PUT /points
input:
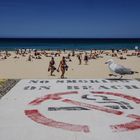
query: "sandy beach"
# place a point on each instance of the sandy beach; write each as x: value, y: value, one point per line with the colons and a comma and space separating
x: 18, y: 67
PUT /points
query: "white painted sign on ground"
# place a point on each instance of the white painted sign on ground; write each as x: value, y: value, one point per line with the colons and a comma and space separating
x: 71, y: 109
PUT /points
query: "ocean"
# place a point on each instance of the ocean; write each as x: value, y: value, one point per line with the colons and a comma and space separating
x: 68, y: 43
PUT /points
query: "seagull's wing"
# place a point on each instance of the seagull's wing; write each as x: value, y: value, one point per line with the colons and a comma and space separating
x: 119, y: 69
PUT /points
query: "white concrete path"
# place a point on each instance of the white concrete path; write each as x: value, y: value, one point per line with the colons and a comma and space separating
x: 82, y: 109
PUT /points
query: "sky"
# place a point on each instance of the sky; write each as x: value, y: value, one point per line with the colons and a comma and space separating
x: 70, y: 18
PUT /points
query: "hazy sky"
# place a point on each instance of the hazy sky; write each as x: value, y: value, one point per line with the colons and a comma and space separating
x: 70, y: 18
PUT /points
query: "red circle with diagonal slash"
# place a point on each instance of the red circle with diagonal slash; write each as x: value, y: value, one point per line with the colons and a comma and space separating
x: 36, y: 116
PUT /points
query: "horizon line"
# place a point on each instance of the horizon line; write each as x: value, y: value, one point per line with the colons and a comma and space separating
x: 69, y: 37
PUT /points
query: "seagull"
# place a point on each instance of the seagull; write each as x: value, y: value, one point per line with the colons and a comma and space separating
x: 118, y: 69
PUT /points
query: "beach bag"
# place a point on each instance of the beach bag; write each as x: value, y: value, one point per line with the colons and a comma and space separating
x: 49, y: 69
x: 66, y: 67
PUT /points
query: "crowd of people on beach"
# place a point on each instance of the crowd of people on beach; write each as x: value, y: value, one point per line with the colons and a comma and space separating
x: 83, y: 57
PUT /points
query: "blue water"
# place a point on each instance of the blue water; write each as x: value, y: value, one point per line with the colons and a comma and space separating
x: 68, y: 44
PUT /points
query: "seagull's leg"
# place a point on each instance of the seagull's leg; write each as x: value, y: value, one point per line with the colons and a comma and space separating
x: 115, y: 75
x: 121, y: 77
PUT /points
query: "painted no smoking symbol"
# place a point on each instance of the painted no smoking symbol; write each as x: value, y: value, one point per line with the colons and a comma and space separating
x: 36, y: 116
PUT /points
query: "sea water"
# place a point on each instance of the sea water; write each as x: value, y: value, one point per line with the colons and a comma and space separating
x: 67, y: 44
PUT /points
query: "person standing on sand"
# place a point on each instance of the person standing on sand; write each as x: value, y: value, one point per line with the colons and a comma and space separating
x: 136, y: 48
x: 86, y: 58
x: 51, y: 67
x: 30, y: 58
x: 79, y: 58
x: 63, y: 67
x: 73, y: 53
